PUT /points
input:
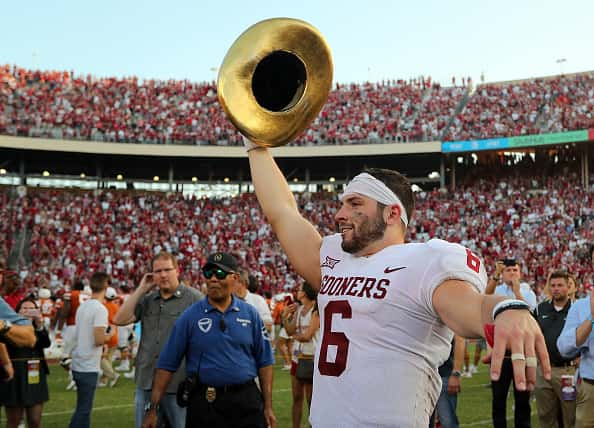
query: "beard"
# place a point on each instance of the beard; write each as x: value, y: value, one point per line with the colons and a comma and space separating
x: 368, y: 231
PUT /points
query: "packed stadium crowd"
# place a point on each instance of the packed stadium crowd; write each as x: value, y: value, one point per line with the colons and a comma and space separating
x: 76, y: 232
x: 63, y: 105
x: 135, y: 254
x: 546, y: 224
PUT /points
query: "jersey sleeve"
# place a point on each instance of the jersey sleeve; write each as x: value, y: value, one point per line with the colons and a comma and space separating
x: 451, y: 261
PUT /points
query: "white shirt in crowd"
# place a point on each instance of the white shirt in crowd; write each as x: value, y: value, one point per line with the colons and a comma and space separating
x: 261, y: 306
x: 86, y: 356
x: 525, y: 291
x: 381, y: 339
x: 302, y: 324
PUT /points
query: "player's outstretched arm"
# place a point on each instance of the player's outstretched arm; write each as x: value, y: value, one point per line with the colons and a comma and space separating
x: 466, y: 312
x: 299, y: 239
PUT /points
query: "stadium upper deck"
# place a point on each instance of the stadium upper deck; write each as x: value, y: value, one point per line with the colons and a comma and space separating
x: 61, y: 105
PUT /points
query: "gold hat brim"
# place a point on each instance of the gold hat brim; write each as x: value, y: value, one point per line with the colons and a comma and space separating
x: 274, y: 128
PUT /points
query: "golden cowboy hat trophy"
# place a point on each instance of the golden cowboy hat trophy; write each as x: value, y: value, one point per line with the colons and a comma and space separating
x: 275, y: 80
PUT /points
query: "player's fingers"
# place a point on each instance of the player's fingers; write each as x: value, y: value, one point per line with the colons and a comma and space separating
x: 500, y: 340
x: 518, y: 359
x: 531, y: 362
x: 543, y: 356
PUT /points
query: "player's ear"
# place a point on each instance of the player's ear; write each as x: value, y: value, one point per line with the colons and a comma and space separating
x: 392, y: 214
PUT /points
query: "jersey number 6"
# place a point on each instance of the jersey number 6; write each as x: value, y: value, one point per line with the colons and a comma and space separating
x: 337, y: 339
x: 472, y: 261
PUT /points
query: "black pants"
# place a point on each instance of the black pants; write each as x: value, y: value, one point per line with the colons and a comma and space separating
x: 242, y: 408
x: 521, y: 399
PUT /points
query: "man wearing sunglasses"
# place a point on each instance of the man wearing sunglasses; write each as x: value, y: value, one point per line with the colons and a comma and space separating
x: 225, y: 344
x: 157, y: 302
x: 257, y: 301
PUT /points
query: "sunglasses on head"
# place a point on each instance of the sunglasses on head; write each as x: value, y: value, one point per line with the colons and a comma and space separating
x: 217, y: 272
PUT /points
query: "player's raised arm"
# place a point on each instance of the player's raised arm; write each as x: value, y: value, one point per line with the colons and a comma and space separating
x: 298, y: 237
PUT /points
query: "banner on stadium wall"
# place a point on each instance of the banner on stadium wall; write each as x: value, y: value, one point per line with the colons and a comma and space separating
x: 591, y: 134
x: 516, y: 142
x: 475, y: 145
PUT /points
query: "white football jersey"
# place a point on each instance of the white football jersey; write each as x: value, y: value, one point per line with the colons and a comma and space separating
x: 381, y: 340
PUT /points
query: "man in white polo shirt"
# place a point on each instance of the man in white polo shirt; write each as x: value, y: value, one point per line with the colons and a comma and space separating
x: 90, y: 335
x: 241, y: 290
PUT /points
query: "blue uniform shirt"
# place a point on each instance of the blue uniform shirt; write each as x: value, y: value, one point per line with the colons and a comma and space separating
x: 8, y: 314
x: 566, y: 342
x: 227, y: 348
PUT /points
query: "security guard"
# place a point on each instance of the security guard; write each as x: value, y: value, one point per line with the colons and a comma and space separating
x: 226, y: 346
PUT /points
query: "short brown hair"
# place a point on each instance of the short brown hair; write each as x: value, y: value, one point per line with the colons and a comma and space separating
x: 99, y: 282
x: 164, y: 255
x: 398, y: 184
x: 244, y: 276
x: 560, y: 274
x: 555, y: 275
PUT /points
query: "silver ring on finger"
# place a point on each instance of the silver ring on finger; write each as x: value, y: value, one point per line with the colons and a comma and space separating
x: 518, y: 357
x: 531, y: 362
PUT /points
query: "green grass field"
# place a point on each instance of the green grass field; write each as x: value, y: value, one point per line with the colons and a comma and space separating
x: 114, y: 407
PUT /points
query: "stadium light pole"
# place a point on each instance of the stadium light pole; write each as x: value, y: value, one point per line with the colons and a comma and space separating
x: 215, y: 71
x: 560, y: 61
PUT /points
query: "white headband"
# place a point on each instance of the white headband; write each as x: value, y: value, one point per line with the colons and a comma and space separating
x: 367, y: 185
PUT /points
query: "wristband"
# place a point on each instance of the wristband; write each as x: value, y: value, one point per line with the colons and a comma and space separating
x: 504, y: 305
x: 249, y: 144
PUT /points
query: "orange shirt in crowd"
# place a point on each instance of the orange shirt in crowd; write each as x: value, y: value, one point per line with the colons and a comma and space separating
x: 278, y: 309
x: 112, y: 308
x: 75, y: 302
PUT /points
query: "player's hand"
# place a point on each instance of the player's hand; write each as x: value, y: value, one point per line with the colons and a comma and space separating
x: 270, y: 418
x: 150, y: 419
x: 517, y: 331
x: 147, y: 283
x: 454, y: 385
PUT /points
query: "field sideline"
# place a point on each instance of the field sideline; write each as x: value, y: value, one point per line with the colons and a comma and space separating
x: 114, y: 407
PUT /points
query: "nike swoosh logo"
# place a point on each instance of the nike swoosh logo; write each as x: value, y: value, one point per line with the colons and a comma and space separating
x: 390, y: 270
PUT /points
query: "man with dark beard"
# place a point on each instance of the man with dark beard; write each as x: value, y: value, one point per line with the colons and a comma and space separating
x: 551, y: 315
x: 387, y: 309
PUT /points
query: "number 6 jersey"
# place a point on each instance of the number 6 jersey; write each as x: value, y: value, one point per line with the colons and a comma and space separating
x: 381, y: 340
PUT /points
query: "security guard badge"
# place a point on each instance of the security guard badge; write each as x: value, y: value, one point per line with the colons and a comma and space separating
x: 211, y: 394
